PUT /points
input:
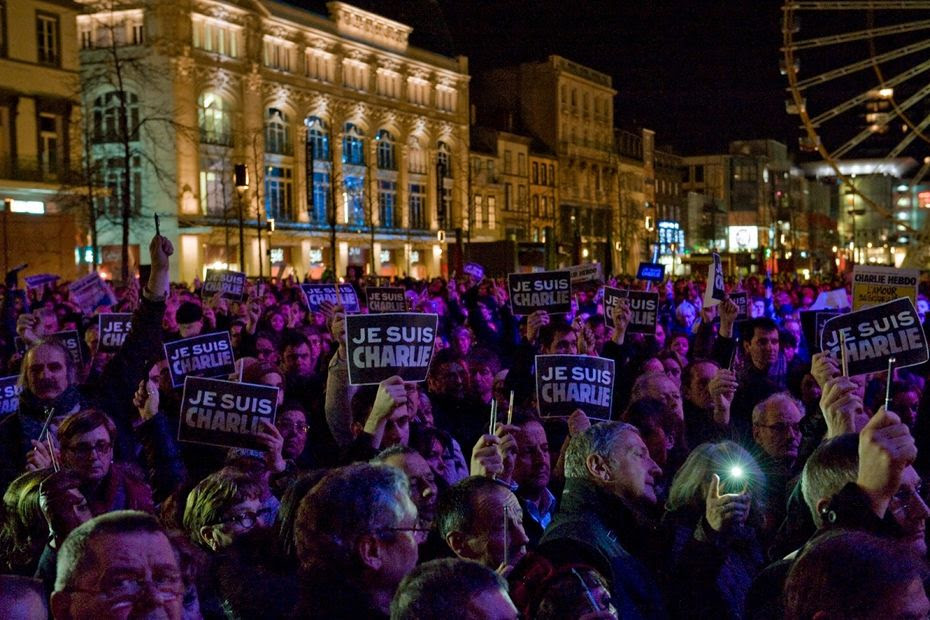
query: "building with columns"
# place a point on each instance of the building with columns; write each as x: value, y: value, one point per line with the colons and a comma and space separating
x: 355, y: 141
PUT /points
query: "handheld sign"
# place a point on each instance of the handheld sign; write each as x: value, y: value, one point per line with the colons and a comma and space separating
x: 643, y: 304
x: 714, y: 292
x: 206, y: 355
x: 545, y: 290
x: 875, y: 334
x: 386, y: 299
x: 568, y: 382
x: 742, y: 304
x: 812, y: 322
x: 837, y: 299
x: 651, y: 272
x: 40, y: 279
x: 586, y: 273
x: 225, y: 413
x: 474, y: 270
x: 90, y: 292
x: 380, y: 346
x: 875, y: 285
x: 316, y: 294
x: 229, y: 284
x: 114, y: 327
x: 71, y: 341
x: 9, y: 395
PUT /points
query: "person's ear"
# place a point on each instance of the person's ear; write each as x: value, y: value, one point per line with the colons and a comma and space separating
x: 756, y: 433
x: 598, y: 468
x: 822, y: 504
x: 746, y: 344
x: 61, y: 605
x: 209, y: 535
x: 458, y: 542
x: 369, y: 552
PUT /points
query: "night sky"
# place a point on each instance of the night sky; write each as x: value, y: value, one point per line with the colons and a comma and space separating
x: 700, y: 73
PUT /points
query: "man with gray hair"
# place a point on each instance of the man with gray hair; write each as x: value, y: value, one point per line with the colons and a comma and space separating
x: 604, y: 516
x: 356, y: 540
x: 776, y: 432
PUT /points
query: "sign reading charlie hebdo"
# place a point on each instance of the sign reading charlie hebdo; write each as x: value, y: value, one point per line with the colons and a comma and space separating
x: 9, y: 395
x: 545, y: 290
x: 229, y: 284
x: 875, y: 285
x: 875, y: 334
x: 225, y: 413
x: 316, y: 294
x: 386, y: 299
x: 644, y: 306
x: 568, y: 382
x: 379, y: 346
x: 207, y: 355
x: 114, y: 327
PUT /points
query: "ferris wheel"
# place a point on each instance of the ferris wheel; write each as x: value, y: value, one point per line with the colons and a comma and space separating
x: 858, y: 77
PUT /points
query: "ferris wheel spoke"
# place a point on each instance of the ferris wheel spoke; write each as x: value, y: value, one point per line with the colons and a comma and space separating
x: 863, y: 64
x: 906, y: 141
x: 865, y: 133
x: 859, y: 35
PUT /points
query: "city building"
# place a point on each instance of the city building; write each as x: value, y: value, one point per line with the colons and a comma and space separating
x: 40, y: 149
x: 355, y: 141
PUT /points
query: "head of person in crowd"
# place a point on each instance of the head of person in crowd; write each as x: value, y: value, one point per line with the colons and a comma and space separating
x: 236, y: 329
x: 86, y: 439
x: 660, y: 336
x: 357, y: 528
x: 558, y: 337
x: 737, y: 470
x: 679, y: 344
x: 651, y: 365
x: 287, y: 513
x: 423, y: 490
x: 598, y: 327
x: 483, y: 364
x: 275, y: 320
x: 481, y: 519
x: 447, y: 377
x: 545, y: 592
x: 221, y: 508
x: 434, y: 445
x: 397, y: 424
x: 316, y: 336
x: 613, y: 456
x: 923, y: 306
x: 296, y: 358
x: 658, y: 426
x: 760, y: 342
x: 264, y: 373
x: 788, y: 343
x: 835, y: 463
x: 22, y: 598
x: 532, y: 470
x: 98, y: 358
x: 23, y: 530
x: 905, y: 400
x: 462, y: 340
x: 756, y: 308
x: 453, y: 588
x: 291, y: 422
x: 118, y: 565
x: 776, y: 427
x: 48, y: 370
x: 659, y: 386
x: 685, y: 314
x: 793, y: 327
x: 853, y: 575
x: 671, y: 366
x: 266, y: 348
x: 189, y: 318
x: 49, y: 321
x: 695, y: 382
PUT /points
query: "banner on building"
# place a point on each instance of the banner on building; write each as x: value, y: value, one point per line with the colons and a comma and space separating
x: 206, y: 355
x: 113, y: 328
x: 380, y: 346
x: 225, y: 413
x: 568, y: 382
x: 544, y: 290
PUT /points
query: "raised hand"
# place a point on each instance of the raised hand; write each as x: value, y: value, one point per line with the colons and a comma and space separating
x: 886, y: 449
x: 725, y: 512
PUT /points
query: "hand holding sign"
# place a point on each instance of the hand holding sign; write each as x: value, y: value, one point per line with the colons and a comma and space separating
x: 722, y: 389
x: 534, y: 323
x: 886, y: 448
x: 146, y: 399
x: 392, y: 395
x: 27, y: 327
x: 269, y: 437
x: 824, y: 367
x: 841, y: 406
x: 728, y: 313
x: 622, y: 315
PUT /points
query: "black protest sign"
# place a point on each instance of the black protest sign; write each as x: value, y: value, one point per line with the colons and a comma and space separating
x: 644, y: 306
x: 71, y: 341
x: 742, y: 305
x: 9, y: 395
x: 875, y: 334
x: 653, y: 272
x: 316, y: 294
x: 229, y: 284
x: 568, y: 382
x: 386, y: 299
x: 380, y: 346
x: 225, y: 413
x: 544, y: 290
x: 714, y: 293
x: 812, y: 322
x: 90, y: 292
x: 207, y: 355
x: 114, y: 327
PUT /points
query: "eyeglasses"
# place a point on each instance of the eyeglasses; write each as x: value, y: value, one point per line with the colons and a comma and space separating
x: 300, y: 429
x: 248, y: 519
x: 907, y: 499
x: 419, y: 533
x: 84, y: 450
x: 126, y: 590
x: 783, y: 427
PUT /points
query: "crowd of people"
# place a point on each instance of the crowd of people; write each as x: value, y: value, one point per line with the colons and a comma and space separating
x: 741, y: 475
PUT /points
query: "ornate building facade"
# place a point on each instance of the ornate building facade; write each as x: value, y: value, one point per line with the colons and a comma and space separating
x: 355, y: 142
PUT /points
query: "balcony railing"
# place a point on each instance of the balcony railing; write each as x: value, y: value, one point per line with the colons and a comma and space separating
x: 36, y: 170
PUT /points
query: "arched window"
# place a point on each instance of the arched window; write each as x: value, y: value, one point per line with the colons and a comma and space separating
x: 213, y: 117
x: 317, y: 138
x: 278, y: 133
x: 107, y: 117
x: 416, y: 157
x: 353, y: 145
x: 443, y: 159
x: 387, y: 159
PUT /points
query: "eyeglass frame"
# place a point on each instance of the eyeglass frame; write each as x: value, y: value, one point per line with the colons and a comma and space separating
x: 115, y: 598
x: 101, y: 448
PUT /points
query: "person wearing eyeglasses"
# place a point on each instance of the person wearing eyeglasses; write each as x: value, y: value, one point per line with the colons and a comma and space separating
x: 118, y: 565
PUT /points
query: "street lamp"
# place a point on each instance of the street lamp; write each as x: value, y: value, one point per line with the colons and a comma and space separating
x: 241, y: 173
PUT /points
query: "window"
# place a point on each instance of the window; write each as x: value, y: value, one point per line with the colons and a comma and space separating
x: 445, y: 98
x: 354, y: 74
x: 320, y: 65
x: 107, y: 112
x: 49, y: 154
x: 386, y: 150
x: 320, y: 198
x: 443, y: 159
x: 387, y: 201
x: 508, y: 162
x: 388, y: 83
x: 521, y: 164
x: 551, y: 174
x: 278, y: 54
x: 536, y: 172
x: 418, y: 206
x: 317, y: 139
x: 353, y: 199
x: 542, y: 176
x: 215, y: 36
x: 48, y: 39
x: 416, y: 156
x: 479, y: 200
x: 279, y: 188
x: 353, y: 146
x: 508, y: 196
x: 492, y: 212
x: 278, y: 133
x: 216, y: 184
x: 522, y: 204
x: 418, y: 91
x: 536, y: 205
x: 213, y: 118
x: 114, y: 177
x: 492, y: 177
